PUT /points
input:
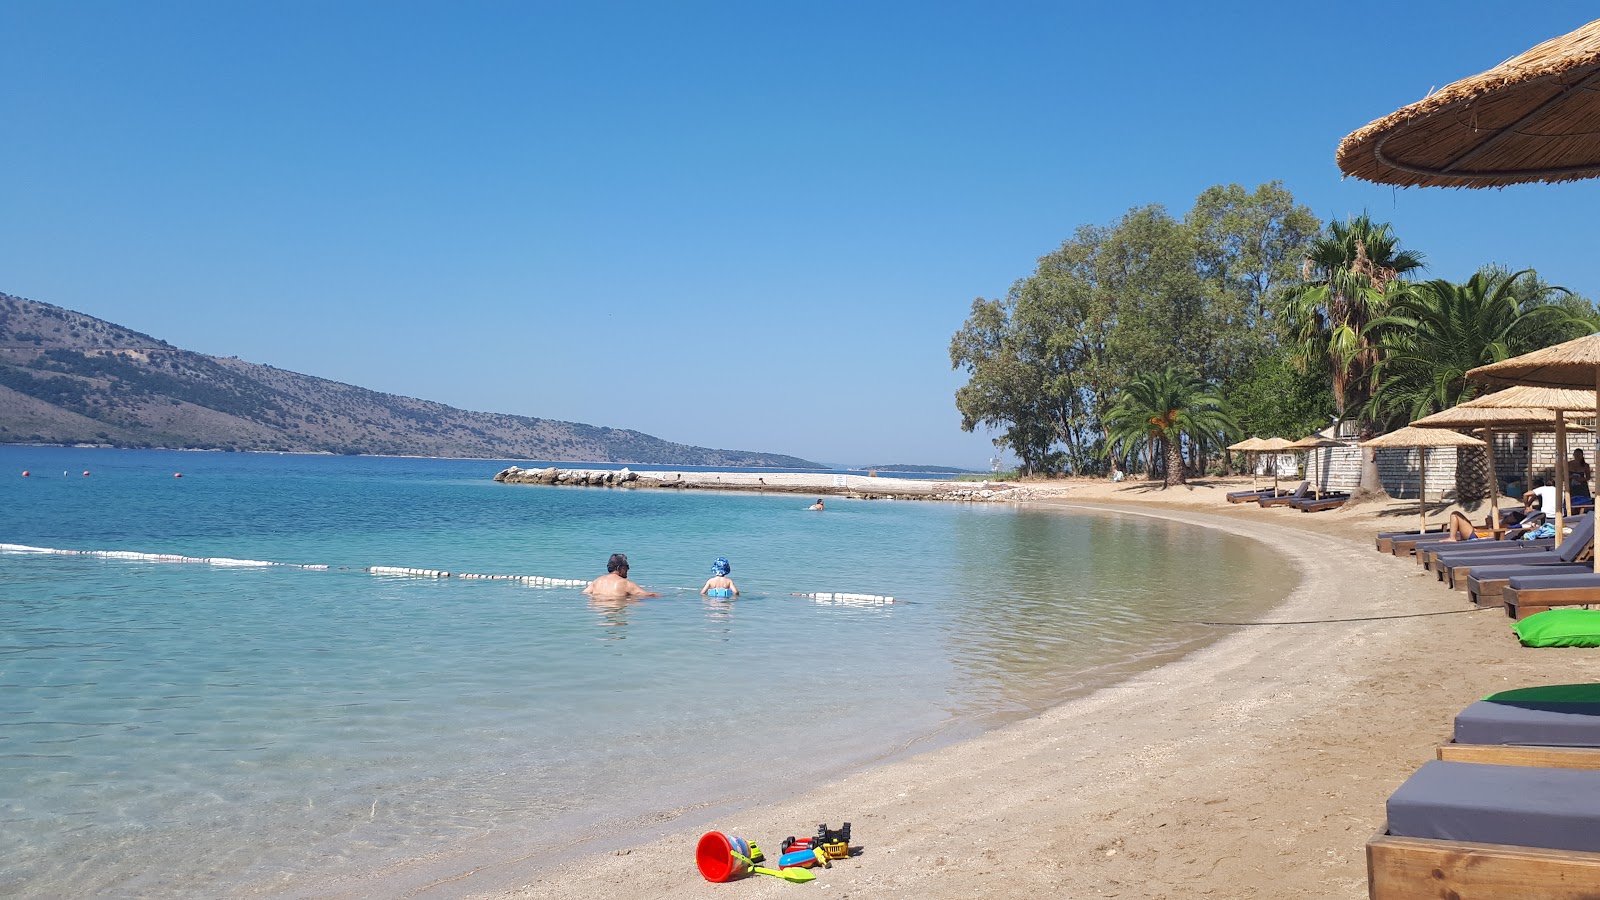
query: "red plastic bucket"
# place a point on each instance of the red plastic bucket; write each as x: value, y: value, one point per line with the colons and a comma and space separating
x: 716, y: 859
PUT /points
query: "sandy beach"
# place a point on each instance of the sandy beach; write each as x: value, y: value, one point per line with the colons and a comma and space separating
x: 1257, y: 767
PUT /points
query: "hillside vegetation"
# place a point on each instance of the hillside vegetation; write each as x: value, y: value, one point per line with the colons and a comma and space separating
x: 69, y: 378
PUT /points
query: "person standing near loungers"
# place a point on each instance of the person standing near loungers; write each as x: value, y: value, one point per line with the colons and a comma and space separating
x: 1578, y: 475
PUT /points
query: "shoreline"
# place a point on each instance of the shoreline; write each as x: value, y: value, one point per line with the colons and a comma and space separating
x: 1257, y: 762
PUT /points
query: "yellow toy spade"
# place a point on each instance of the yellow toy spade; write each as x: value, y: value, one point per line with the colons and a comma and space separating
x: 795, y: 875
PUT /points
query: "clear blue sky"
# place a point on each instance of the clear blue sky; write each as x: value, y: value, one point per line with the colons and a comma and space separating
x: 739, y: 225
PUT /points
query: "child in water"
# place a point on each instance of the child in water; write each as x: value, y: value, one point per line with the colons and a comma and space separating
x: 719, y: 584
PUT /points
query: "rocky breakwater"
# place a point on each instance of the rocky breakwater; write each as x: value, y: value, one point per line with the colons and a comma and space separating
x: 589, y: 477
x: 812, y: 484
x: 987, y: 493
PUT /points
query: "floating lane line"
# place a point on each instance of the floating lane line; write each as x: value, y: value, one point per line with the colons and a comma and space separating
x: 843, y: 599
x: 228, y: 562
x: 836, y: 598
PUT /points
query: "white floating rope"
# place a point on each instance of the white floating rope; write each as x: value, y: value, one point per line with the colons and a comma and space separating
x: 227, y: 562
x: 843, y: 599
x: 835, y: 598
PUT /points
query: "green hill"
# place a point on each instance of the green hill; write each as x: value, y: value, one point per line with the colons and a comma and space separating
x: 69, y: 378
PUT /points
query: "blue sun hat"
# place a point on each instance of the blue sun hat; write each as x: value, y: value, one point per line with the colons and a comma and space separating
x: 720, y: 567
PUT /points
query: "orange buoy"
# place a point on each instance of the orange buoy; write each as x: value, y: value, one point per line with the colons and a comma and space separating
x: 86, y: 472
x: 24, y: 473
x: 177, y: 474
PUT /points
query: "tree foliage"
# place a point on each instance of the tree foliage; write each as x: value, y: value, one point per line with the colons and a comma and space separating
x: 1347, y: 276
x: 1293, y: 324
x: 1159, y: 412
x: 1146, y: 293
x: 1435, y: 331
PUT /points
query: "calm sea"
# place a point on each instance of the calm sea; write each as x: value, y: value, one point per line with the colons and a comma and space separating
x: 194, y: 730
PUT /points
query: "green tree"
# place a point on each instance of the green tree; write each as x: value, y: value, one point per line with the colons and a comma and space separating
x: 1144, y: 293
x: 1007, y: 385
x: 1275, y: 397
x: 1347, y: 276
x: 1159, y: 410
x: 1436, y: 331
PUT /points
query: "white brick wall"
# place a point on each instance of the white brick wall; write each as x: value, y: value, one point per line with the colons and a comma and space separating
x: 1340, y: 467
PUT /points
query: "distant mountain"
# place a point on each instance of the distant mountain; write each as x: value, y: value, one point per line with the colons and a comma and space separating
x: 68, y: 378
x: 931, y: 470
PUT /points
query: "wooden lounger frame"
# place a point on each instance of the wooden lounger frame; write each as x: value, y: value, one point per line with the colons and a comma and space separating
x: 1522, y: 603
x: 1386, y: 544
x: 1407, y: 868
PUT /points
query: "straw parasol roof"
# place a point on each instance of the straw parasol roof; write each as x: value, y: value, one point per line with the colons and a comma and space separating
x: 1273, y: 444
x: 1411, y: 436
x: 1569, y: 365
x: 1534, y: 117
x: 1528, y: 397
x: 1511, y: 417
x: 1422, y: 439
x: 1246, y: 444
x: 1313, y: 441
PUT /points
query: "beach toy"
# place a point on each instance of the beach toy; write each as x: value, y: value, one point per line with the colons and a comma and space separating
x: 722, y: 857
x: 720, y: 593
x: 805, y: 858
x: 797, y: 876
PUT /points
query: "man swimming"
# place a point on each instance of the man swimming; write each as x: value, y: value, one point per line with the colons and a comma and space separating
x: 614, y: 585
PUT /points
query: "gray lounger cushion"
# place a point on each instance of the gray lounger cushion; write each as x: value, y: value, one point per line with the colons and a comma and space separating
x: 1534, y: 582
x: 1558, y: 809
x: 1533, y: 567
x: 1529, y: 723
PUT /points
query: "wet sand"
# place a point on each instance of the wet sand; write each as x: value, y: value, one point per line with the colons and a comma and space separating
x: 1257, y: 767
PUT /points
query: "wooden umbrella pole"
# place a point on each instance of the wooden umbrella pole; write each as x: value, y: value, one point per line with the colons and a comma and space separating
x: 1494, y: 480
x: 1422, y: 486
x: 1561, y: 469
x: 1527, y: 439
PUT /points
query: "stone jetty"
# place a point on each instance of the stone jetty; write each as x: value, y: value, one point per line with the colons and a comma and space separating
x: 816, y: 484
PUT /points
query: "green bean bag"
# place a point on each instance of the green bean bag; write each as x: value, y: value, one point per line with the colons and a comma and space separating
x: 1560, y: 628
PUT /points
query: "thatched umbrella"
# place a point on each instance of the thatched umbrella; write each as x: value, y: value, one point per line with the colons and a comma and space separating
x: 1422, y: 439
x: 1489, y: 419
x: 1312, y: 443
x: 1273, y: 445
x: 1574, y: 364
x: 1534, y: 117
x: 1565, y: 400
x: 1251, y: 446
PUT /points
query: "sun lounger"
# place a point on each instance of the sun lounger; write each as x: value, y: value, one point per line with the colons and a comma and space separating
x: 1459, y: 829
x: 1551, y: 715
x: 1428, y: 555
x: 1486, y: 584
x: 1325, y: 502
x: 1386, y: 539
x: 1253, y: 496
x: 1405, y: 546
x: 1574, y: 547
x: 1286, y: 499
x: 1528, y: 594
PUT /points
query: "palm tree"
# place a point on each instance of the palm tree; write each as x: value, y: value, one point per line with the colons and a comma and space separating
x: 1437, y: 330
x: 1157, y: 410
x: 1348, y: 275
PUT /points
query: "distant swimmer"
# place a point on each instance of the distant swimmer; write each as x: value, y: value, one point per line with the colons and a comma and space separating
x: 614, y: 585
x: 816, y: 505
x: 719, y: 584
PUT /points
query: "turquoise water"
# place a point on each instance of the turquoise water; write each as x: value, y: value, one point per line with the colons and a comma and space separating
x: 190, y: 730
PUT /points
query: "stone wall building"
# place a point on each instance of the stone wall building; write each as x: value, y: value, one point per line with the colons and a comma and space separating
x: 1339, y: 468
